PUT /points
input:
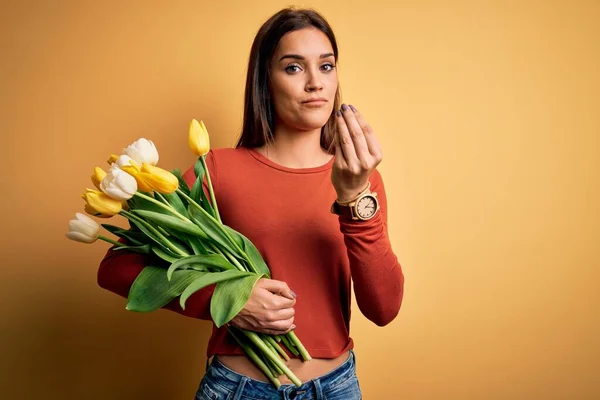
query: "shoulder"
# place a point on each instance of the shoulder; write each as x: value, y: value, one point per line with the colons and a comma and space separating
x: 219, y: 161
x: 225, y: 159
x: 228, y: 154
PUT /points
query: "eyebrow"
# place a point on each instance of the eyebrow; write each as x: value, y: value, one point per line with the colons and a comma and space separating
x: 299, y: 57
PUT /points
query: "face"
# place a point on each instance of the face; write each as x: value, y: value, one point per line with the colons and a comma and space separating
x: 303, y: 79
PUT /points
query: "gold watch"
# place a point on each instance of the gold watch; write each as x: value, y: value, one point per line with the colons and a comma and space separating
x: 363, y: 208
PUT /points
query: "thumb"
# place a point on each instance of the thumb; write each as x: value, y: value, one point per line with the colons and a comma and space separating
x: 278, y: 287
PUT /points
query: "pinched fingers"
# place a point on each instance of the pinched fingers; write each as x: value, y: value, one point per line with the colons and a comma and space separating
x: 357, y: 141
x: 355, y: 132
x: 369, y: 135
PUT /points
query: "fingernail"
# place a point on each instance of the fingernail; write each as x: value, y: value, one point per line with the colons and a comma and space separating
x: 293, y: 327
x: 338, y: 113
x: 344, y: 107
x: 293, y: 294
x: 352, y: 107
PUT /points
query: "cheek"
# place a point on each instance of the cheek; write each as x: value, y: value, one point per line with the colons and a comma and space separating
x: 281, y: 96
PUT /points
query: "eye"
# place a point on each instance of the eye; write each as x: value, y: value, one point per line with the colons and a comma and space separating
x: 328, y: 67
x: 290, y: 68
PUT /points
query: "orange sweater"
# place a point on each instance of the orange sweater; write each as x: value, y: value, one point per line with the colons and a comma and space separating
x: 285, y: 213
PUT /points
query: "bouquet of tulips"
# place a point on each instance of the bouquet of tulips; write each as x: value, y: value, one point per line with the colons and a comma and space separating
x: 181, y: 230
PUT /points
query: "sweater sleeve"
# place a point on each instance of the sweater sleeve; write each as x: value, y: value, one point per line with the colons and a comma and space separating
x: 376, y: 272
x: 118, y: 269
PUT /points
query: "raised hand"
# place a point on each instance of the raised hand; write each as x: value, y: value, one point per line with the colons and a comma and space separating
x: 357, y: 154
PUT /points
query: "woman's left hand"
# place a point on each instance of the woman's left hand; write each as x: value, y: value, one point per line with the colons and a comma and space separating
x: 357, y: 154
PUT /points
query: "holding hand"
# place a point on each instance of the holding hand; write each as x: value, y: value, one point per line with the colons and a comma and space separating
x: 269, y: 309
x: 357, y: 154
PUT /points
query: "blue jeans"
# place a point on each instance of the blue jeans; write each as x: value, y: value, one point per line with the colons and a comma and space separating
x: 221, y: 383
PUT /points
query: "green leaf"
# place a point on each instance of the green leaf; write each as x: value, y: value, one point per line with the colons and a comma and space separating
x: 148, y: 230
x: 208, y: 278
x: 206, y: 205
x: 230, y: 297
x: 182, y: 183
x: 144, y: 249
x: 197, y: 190
x: 134, y: 237
x: 212, y: 260
x: 175, y: 202
x: 140, y: 203
x: 165, y: 254
x: 174, y: 237
x: 250, y: 250
x: 199, y: 168
x: 235, y: 235
x: 214, y: 230
x: 197, y: 245
x: 152, y: 290
x: 171, y: 222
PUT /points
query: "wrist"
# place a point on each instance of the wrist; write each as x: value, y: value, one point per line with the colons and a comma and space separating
x: 350, y: 196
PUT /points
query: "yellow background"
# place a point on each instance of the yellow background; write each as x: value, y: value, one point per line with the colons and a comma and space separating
x: 488, y: 114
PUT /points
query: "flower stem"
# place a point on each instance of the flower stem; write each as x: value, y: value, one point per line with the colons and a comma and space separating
x: 234, y: 261
x: 254, y: 357
x: 213, y: 200
x: 296, y: 342
x: 272, y: 356
x: 118, y: 244
x: 207, y: 215
x: 277, y: 347
x: 162, y: 198
x: 163, y: 239
x: 227, y: 255
x: 162, y: 205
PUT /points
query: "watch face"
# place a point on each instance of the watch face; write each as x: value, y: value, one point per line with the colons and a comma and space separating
x: 366, y: 207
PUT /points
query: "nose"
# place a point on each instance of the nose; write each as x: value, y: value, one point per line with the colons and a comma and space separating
x: 314, y: 82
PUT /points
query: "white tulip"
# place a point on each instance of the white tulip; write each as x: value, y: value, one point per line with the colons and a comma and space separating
x: 123, y: 160
x: 83, y: 229
x: 118, y: 184
x: 142, y: 151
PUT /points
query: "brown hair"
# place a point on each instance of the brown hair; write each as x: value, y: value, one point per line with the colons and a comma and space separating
x: 258, y: 127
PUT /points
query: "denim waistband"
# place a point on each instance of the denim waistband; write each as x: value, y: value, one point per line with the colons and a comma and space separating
x: 231, y: 380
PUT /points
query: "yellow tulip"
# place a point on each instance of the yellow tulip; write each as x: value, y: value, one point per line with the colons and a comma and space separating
x: 198, y: 139
x: 150, y: 178
x: 100, y: 204
x: 113, y: 158
x: 160, y: 180
x: 135, y: 171
x: 97, y: 177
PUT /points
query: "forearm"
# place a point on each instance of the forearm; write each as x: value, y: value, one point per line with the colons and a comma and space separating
x: 376, y: 272
x: 119, y: 269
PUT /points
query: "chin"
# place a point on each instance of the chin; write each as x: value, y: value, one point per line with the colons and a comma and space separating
x: 312, y: 121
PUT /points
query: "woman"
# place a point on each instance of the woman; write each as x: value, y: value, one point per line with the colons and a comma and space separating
x: 302, y: 186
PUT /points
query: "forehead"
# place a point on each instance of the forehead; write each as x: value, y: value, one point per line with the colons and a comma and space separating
x: 308, y: 42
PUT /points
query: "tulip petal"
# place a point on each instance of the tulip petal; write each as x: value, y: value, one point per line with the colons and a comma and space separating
x: 118, y: 184
x: 159, y: 179
x: 80, y: 237
x: 142, y: 150
x: 100, y: 204
x: 198, y: 139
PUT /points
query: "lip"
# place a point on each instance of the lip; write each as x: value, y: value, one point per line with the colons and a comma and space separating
x: 316, y: 100
x: 314, y: 103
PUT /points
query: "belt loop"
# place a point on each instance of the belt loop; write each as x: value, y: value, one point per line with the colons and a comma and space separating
x: 240, y: 389
x: 318, y: 389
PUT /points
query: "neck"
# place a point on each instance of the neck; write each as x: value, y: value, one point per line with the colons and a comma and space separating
x: 293, y: 148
